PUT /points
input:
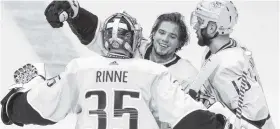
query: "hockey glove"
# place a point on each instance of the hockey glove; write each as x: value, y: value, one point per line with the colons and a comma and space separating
x: 230, y: 117
x: 59, y: 11
x: 205, y: 97
x: 21, y: 76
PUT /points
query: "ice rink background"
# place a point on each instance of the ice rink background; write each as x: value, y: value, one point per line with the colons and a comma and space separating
x: 27, y: 37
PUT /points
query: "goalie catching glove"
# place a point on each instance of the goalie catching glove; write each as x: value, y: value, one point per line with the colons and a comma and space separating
x: 24, y: 79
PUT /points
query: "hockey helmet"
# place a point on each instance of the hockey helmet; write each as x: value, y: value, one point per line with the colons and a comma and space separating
x: 222, y: 12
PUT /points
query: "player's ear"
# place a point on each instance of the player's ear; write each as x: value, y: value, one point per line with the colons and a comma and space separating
x: 212, y: 28
x: 179, y: 45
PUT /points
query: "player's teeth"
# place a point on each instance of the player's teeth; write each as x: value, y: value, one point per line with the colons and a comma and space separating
x: 164, y: 45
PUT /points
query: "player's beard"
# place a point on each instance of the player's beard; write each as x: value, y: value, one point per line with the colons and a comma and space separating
x: 203, y: 40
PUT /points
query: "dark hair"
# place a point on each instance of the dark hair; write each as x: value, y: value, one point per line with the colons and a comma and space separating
x: 177, y: 18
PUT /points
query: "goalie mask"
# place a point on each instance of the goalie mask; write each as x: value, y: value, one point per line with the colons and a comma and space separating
x: 121, y: 35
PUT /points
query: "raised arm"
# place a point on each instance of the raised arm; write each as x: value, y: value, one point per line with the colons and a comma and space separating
x: 84, y: 24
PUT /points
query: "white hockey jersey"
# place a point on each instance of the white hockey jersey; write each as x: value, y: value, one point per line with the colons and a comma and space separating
x: 181, y: 69
x: 113, y: 93
x: 224, y: 83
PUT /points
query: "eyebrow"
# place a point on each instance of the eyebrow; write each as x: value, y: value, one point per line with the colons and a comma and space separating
x: 168, y: 32
x: 174, y: 34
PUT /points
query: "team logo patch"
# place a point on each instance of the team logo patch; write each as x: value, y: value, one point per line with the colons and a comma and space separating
x: 114, y: 63
x: 216, y: 4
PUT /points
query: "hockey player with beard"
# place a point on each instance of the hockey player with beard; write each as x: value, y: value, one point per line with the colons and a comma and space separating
x: 169, y: 34
x: 112, y: 91
x: 213, y: 22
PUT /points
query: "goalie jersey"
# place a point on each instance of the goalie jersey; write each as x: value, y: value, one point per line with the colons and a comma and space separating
x: 114, y: 93
x: 224, y: 83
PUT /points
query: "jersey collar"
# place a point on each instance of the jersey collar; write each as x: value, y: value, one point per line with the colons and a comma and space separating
x: 232, y: 43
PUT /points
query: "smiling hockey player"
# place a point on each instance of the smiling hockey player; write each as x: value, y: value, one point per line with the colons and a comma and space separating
x: 214, y: 21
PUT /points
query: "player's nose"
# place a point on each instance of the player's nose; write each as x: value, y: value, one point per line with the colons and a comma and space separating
x: 164, y: 38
